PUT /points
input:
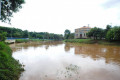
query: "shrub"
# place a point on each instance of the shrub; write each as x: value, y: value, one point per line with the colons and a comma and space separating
x: 113, y: 34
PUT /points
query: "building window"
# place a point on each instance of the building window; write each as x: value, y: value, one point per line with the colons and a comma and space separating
x: 76, y: 30
x: 76, y: 34
x: 84, y: 34
x: 80, y: 32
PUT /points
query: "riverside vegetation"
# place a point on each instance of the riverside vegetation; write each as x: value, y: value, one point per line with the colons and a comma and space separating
x: 88, y: 41
x: 92, y: 41
x: 10, y: 69
x: 18, y: 33
x: 28, y: 40
x: 110, y: 35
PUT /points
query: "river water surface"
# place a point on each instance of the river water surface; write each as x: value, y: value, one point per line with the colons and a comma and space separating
x: 68, y: 61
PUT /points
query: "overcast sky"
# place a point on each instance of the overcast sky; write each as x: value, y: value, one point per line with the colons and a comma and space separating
x: 55, y: 16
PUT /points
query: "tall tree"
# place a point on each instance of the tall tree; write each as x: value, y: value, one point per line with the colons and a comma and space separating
x: 71, y: 36
x: 108, y: 27
x: 67, y: 34
x: 8, y: 7
x: 96, y: 33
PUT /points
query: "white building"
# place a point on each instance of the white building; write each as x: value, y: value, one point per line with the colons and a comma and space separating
x: 81, y: 32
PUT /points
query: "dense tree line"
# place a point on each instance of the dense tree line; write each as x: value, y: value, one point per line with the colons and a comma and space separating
x: 18, y: 33
x: 110, y: 33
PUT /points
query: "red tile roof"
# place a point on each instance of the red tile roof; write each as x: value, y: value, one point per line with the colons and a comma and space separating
x: 84, y: 27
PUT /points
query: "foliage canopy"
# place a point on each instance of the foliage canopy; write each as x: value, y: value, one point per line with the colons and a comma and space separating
x: 110, y: 34
x: 8, y: 7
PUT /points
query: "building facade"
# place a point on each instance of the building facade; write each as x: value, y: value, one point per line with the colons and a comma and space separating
x: 81, y: 32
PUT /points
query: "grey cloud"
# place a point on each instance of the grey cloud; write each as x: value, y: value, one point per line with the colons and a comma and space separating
x: 111, y: 3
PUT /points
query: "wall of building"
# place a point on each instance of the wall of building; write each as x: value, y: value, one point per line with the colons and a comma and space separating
x: 82, y: 31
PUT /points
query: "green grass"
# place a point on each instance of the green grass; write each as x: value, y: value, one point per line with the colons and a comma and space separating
x: 88, y: 41
x: 91, y: 41
x: 21, y: 40
x: 27, y: 40
x: 10, y: 69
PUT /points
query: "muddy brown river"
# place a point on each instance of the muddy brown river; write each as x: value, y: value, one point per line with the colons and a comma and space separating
x: 67, y: 61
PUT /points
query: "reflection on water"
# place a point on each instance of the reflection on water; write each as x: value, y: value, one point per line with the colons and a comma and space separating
x: 109, y: 53
x: 68, y: 61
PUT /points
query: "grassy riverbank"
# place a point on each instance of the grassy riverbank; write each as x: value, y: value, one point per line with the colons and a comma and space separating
x: 27, y: 40
x: 87, y: 41
x: 91, y: 41
x: 10, y: 69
